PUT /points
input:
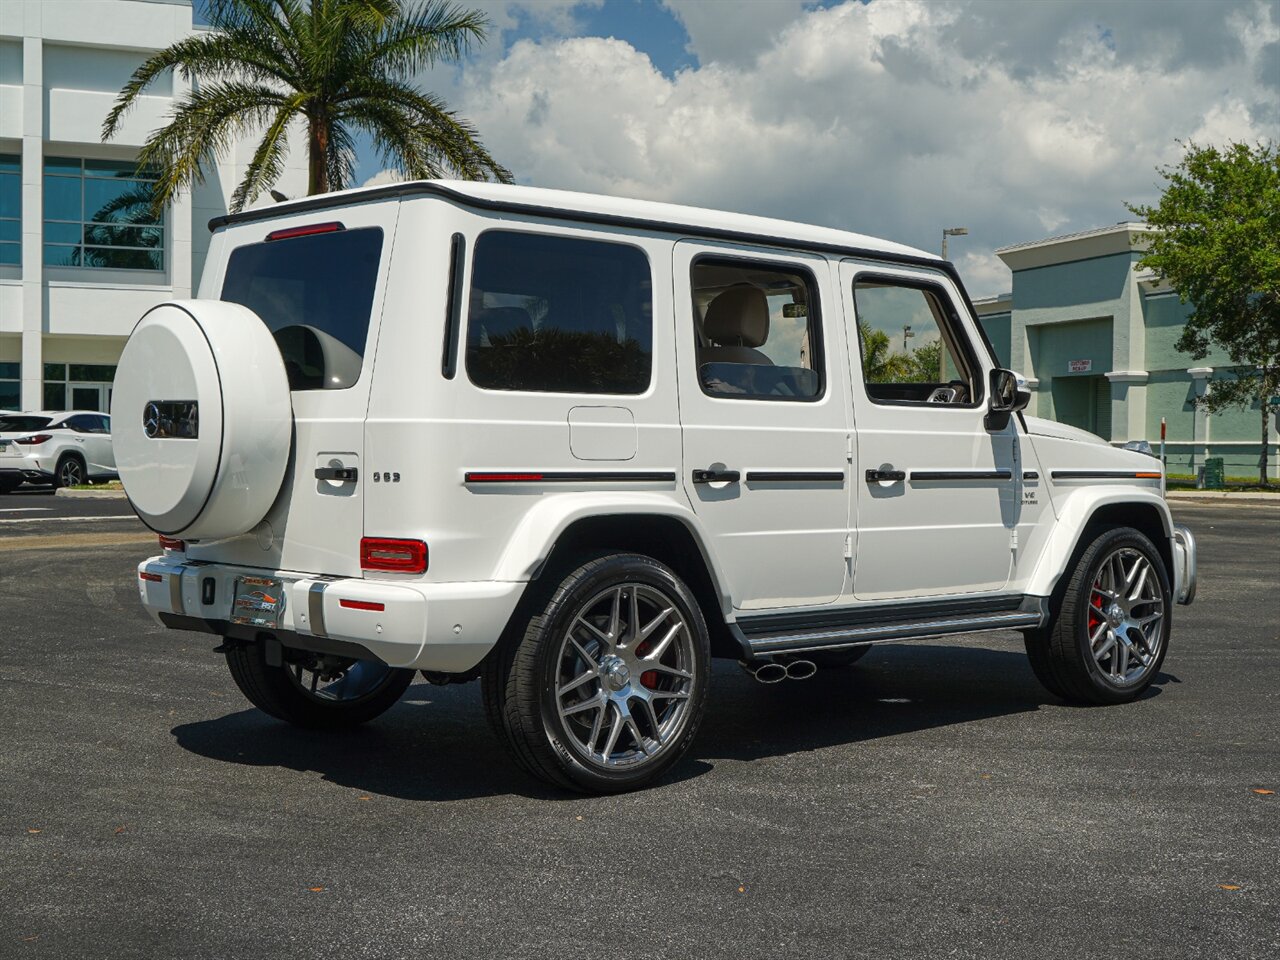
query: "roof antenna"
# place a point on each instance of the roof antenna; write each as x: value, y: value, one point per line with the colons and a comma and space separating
x: 277, y: 196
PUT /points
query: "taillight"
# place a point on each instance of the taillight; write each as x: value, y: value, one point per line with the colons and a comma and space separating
x: 168, y: 543
x: 362, y: 605
x: 150, y: 577
x: 309, y: 230
x: 397, y: 556
x: 34, y: 439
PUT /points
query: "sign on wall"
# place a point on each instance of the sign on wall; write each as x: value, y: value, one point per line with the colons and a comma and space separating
x: 1079, y: 366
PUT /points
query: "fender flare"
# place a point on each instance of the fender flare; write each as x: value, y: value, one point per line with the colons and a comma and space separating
x: 1075, y: 510
x: 545, y: 523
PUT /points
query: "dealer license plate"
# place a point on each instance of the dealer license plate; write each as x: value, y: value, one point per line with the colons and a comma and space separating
x: 258, y: 601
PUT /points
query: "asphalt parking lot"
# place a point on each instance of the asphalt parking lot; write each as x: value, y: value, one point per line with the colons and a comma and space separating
x: 932, y: 801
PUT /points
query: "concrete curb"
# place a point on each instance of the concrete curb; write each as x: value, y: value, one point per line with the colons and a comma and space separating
x: 91, y: 494
x: 1221, y: 495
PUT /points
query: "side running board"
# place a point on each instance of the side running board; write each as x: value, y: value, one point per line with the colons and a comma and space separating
x: 763, y: 635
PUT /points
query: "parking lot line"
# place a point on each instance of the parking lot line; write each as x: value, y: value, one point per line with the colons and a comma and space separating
x: 24, y: 509
x: 123, y: 516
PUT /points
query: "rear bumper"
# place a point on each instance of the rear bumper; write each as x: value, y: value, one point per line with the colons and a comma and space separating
x: 21, y: 471
x: 445, y: 627
x: 1184, y: 564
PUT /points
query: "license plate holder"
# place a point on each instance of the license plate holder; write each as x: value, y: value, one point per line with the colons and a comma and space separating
x: 257, y: 601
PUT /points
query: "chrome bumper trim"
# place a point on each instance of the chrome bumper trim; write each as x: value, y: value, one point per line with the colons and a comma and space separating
x: 1184, y: 558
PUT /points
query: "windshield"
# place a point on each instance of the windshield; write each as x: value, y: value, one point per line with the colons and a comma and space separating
x: 22, y: 424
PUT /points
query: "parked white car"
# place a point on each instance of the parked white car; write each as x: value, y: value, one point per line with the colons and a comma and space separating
x: 576, y: 446
x: 57, y: 447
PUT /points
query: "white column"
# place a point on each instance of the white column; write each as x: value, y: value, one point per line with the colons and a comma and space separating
x: 1201, y: 423
x: 179, y: 213
x: 32, y: 212
x: 1128, y: 405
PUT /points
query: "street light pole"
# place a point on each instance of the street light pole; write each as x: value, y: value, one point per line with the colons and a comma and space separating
x: 952, y: 232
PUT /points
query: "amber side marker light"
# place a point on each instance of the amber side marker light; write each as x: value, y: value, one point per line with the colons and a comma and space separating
x: 1147, y: 476
x: 393, y: 556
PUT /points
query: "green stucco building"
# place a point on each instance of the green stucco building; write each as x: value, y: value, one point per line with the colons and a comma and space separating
x: 1096, y: 339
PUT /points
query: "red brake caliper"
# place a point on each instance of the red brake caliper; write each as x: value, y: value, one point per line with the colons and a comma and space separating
x: 650, y: 677
x: 1095, y: 618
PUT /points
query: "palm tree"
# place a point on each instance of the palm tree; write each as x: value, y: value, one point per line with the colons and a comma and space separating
x: 340, y: 66
x: 879, y: 363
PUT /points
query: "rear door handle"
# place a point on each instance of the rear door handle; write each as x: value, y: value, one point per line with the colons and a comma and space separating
x: 716, y: 476
x: 341, y: 474
x: 892, y: 476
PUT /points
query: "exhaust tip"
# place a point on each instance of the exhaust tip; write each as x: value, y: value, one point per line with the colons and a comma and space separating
x: 770, y: 673
x: 801, y: 669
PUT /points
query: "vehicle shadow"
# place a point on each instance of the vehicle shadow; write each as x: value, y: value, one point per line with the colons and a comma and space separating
x: 436, y: 746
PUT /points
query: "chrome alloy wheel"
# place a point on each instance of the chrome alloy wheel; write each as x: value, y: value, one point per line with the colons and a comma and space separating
x: 71, y: 474
x: 1126, y: 617
x: 624, y: 676
x: 337, y: 680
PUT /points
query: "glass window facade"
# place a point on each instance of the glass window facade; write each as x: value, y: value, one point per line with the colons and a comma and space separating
x: 78, y: 386
x: 97, y: 213
x: 10, y: 210
x: 10, y: 386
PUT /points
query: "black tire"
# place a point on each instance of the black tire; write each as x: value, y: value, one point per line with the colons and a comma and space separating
x: 520, y: 678
x: 1063, y: 657
x: 845, y: 657
x: 274, y: 690
x: 8, y: 485
x: 1037, y: 645
x: 71, y: 471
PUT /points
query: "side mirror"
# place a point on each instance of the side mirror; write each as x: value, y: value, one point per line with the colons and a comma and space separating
x: 1008, y: 394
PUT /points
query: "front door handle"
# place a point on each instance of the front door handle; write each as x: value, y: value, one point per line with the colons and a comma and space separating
x: 892, y: 476
x: 716, y: 476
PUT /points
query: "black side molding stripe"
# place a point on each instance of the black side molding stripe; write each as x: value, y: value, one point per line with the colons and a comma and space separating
x: 1105, y: 474
x: 561, y: 476
x: 961, y: 474
x: 795, y: 476
x: 1030, y: 475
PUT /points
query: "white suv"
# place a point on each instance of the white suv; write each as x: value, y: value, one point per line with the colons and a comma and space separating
x: 62, y: 448
x: 577, y: 446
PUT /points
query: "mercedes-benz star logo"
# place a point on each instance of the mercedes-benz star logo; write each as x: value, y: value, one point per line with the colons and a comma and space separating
x: 151, y: 420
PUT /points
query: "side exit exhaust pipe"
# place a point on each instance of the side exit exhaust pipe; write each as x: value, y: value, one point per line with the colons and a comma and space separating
x: 801, y: 669
x: 771, y: 671
x: 767, y: 672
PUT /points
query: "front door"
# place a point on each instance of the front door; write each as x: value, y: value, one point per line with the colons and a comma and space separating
x: 936, y: 492
x: 90, y: 396
x: 764, y: 422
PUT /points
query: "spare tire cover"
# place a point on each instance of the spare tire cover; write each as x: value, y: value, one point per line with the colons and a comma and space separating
x: 201, y: 419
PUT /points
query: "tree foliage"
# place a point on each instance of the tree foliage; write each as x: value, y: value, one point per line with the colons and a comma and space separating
x: 882, y: 364
x: 338, y: 67
x: 1218, y: 245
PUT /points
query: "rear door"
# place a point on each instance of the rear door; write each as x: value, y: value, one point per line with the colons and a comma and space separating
x: 936, y: 502
x: 765, y: 426
x: 317, y: 282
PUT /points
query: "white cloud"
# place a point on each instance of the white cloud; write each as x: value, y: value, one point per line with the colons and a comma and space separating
x: 733, y: 31
x: 893, y: 119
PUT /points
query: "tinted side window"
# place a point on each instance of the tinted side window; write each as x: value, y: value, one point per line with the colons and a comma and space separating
x: 560, y: 315
x: 315, y: 294
x: 758, y: 330
x: 912, y: 348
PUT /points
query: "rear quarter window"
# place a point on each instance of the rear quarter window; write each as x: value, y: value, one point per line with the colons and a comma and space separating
x: 315, y: 294
x: 559, y: 315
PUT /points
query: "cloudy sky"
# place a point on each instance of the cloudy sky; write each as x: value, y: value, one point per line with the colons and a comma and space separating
x: 1016, y: 119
